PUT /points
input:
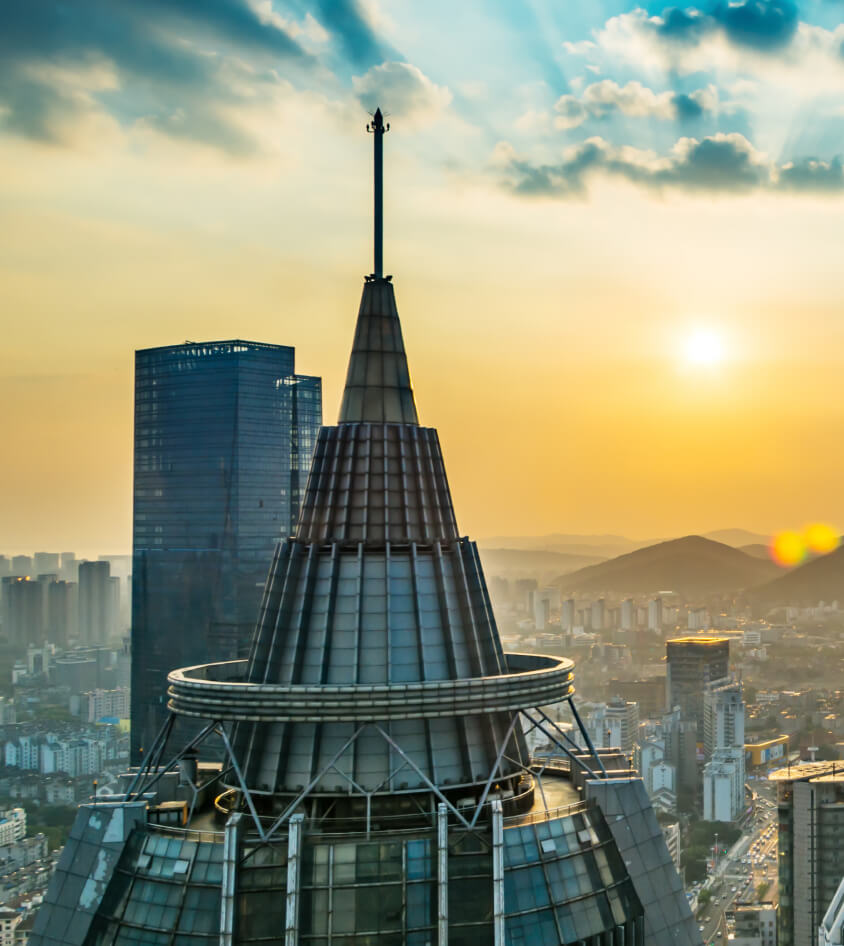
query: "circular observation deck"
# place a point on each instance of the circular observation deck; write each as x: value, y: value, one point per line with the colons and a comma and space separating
x: 217, y: 691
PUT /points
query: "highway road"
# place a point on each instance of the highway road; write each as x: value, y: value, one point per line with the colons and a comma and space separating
x: 738, y: 874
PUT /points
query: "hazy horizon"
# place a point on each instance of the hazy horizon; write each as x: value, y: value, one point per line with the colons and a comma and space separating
x: 482, y: 539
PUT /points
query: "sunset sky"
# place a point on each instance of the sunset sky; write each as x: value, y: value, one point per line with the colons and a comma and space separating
x: 616, y: 236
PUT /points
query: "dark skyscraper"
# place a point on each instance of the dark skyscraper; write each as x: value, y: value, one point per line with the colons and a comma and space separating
x: 693, y: 663
x: 224, y: 433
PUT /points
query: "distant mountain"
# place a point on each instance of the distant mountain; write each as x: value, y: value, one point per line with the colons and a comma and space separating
x: 692, y: 565
x: 602, y: 546
x: 737, y: 537
x: 518, y: 562
x: 821, y: 579
x: 756, y: 550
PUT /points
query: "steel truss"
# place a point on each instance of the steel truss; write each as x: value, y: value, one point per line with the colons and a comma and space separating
x: 152, y: 770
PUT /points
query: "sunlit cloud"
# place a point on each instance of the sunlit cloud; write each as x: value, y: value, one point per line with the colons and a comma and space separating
x: 720, y: 163
x: 606, y: 98
x: 402, y: 89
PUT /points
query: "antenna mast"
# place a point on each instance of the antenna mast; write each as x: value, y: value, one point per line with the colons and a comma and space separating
x: 378, y: 129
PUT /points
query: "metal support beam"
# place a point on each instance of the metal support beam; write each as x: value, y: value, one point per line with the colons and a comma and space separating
x: 162, y: 735
x: 442, y: 875
x: 200, y: 737
x: 228, y: 900
x: 491, y: 778
x: 585, y: 734
x: 288, y: 811
x: 294, y: 852
x: 241, y: 781
x: 576, y: 759
x: 422, y: 775
x: 497, y: 873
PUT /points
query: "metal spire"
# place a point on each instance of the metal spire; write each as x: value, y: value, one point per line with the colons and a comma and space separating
x: 378, y: 129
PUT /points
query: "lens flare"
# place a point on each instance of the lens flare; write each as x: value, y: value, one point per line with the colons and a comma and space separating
x: 820, y: 538
x: 788, y: 549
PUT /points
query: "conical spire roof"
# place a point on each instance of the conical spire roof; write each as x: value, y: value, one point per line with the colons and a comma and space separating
x: 378, y: 387
x: 376, y: 593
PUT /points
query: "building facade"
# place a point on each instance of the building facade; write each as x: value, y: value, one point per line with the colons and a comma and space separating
x: 831, y: 932
x: 23, y: 611
x: 723, y: 717
x: 12, y: 825
x: 99, y: 602
x: 224, y: 433
x: 723, y: 785
x: 753, y: 924
x: 810, y: 799
x: 692, y: 664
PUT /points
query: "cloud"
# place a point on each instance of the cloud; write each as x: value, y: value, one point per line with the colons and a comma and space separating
x: 760, y: 24
x: 174, y: 65
x: 633, y: 100
x: 791, y: 63
x: 812, y: 174
x: 721, y: 163
x: 351, y: 24
x: 401, y: 88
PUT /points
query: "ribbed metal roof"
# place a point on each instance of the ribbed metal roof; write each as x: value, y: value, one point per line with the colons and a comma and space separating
x: 378, y: 381
x: 376, y: 588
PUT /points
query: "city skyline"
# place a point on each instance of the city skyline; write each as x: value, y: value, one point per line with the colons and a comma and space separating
x: 662, y: 230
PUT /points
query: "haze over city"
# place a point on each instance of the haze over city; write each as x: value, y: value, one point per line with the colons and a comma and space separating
x: 617, y: 232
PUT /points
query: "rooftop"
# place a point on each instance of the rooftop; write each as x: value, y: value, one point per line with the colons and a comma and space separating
x: 833, y: 771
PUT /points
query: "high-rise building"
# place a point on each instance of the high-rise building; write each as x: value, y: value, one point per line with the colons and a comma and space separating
x: 655, y: 614
x: 723, y: 748
x: 376, y: 788
x: 627, y: 715
x: 99, y: 602
x: 544, y: 601
x: 723, y: 717
x: 723, y: 785
x: 224, y: 433
x: 599, y: 614
x: 681, y: 752
x: 44, y: 563
x: 62, y: 612
x: 698, y: 619
x: 69, y: 570
x: 692, y: 664
x: 525, y: 588
x: 810, y: 799
x: 23, y: 611
x: 22, y: 566
x: 568, y: 611
x: 628, y: 615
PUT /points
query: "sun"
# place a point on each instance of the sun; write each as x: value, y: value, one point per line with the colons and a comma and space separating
x: 703, y: 346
